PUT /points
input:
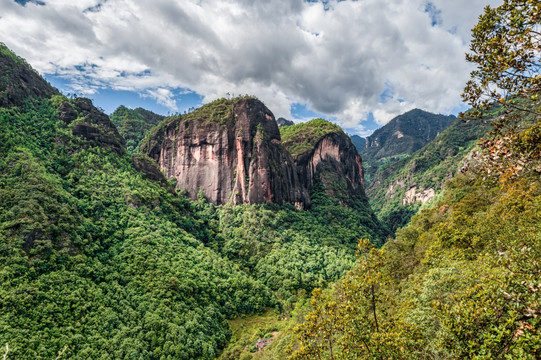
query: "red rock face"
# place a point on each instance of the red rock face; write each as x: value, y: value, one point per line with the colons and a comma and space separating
x: 335, y: 162
x: 241, y: 161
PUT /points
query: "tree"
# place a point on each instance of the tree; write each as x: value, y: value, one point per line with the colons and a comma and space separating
x: 506, y: 47
x: 354, y: 322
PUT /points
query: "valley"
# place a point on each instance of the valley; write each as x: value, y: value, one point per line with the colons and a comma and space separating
x: 224, y: 233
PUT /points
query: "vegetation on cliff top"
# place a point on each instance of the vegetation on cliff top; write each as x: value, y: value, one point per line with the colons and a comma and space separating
x: 219, y: 111
x: 300, y: 138
x: 134, y: 124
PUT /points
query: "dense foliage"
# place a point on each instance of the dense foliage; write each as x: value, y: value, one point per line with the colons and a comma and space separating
x: 99, y: 261
x: 461, y: 281
x: 506, y: 50
x: 302, y: 137
x: 134, y: 124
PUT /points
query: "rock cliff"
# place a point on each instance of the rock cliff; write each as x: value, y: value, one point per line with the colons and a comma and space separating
x: 231, y: 151
x: 325, y: 155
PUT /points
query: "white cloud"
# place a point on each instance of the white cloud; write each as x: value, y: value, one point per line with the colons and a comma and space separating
x: 163, y: 96
x: 338, y: 58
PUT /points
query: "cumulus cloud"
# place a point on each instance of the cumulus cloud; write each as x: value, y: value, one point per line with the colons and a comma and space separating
x: 163, y: 96
x: 344, y: 59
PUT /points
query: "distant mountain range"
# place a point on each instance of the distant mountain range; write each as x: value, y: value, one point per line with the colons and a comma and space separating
x: 401, y: 183
x: 405, y: 134
x: 134, y: 124
x: 359, y: 142
x: 284, y: 122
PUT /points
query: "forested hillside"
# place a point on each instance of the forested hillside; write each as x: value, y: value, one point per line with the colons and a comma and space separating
x: 134, y: 124
x: 461, y: 281
x: 271, y: 250
x: 400, y: 137
x: 398, y: 189
x: 101, y: 258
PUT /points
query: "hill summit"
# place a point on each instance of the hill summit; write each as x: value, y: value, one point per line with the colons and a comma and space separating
x: 405, y: 134
x: 232, y: 151
x: 19, y: 81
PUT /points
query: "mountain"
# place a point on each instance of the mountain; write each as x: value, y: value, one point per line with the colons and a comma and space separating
x: 19, y: 81
x: 405, y: 134
x: 230, y: 150
x: 233, y: 151
x: 284, y: 122
x: 325, y: 156
x: 401, y: 136
x: 359, y: 142
x: 134, y: 124
x: 101, y: 258
x: 399, y: 188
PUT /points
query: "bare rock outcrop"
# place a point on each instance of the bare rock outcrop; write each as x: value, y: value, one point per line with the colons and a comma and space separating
x: 414, y: 195
x: 231, y: 151
x: 94, y: 125
x: 324, y: 155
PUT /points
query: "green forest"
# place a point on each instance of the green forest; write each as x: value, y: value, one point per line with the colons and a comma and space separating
x: 99, y: 260
x: 109, y: 264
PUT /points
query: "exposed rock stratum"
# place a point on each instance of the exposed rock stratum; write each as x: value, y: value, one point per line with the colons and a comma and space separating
x: 232, y: 152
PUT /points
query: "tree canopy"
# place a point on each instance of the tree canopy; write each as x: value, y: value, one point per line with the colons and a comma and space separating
x: 506, y: 49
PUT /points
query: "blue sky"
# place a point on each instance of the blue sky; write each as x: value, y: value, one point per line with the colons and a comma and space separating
x: 357, y: 63
x: 109, y: 99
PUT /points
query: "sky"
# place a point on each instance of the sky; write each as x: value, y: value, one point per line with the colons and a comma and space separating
x: 357, y: 63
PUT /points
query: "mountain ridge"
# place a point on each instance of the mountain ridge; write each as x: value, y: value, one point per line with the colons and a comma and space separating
x: 99, y: 257
x: 236, y: 153
x: 405, y: 134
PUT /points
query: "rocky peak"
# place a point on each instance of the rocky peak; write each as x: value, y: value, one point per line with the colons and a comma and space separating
x: 234, y: 152
x: 405, y: 134
x: 229, y: 149
x: 284, y: 122
x: 325, y: 155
